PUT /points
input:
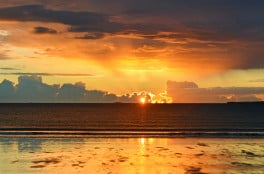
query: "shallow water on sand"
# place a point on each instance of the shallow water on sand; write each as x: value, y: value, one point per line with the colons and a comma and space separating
x: 131, y: 155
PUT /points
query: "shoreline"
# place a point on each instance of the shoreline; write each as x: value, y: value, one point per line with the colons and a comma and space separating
x: 101, y: 133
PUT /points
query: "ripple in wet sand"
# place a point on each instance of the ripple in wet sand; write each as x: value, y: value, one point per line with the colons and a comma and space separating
x: 188, y: 147
x: 123, y: 159
x: 248, y: 153
x: 38, y: 166
x: 199, y: 154
x: 202, y: 144
x: 47, y: 161
x: 241, y: 164
x: 15, y: 161
x: 194, y: 170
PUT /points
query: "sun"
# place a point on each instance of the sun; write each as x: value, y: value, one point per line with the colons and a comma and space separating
x: 142, y: 100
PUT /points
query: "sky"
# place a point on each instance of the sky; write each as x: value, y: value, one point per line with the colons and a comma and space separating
x: 120, y: 50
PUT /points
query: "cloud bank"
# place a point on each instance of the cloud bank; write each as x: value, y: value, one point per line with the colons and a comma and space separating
x: 189, y: 92
x: 33, y: 89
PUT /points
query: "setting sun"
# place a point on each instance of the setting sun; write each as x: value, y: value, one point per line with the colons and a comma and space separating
x: 142, y: 100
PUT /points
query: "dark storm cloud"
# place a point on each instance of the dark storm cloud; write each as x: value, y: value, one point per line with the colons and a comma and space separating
x: 205, y: 19
x: 44, y: 30
x: 202, y: 10
x: 41, y: 14
x: 78, y: 21
x: 189, y: 24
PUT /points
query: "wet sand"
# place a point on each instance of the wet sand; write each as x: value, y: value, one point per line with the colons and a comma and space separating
x: 131, y: 155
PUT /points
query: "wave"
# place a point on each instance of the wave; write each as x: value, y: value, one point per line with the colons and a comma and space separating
x: 48, y: 133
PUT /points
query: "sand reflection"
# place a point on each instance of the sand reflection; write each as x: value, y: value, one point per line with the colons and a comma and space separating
x: 132, y: 155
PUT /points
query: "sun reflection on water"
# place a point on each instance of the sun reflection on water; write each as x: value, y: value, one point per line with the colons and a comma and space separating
x: 142, y: 141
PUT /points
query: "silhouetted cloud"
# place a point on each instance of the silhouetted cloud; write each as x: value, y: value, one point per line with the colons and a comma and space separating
x: 44, y: 30
x: 204, y: 20
x: 189, y: 92
x: 7, y: 90
x: 70, y: 92
x: 32, y: 89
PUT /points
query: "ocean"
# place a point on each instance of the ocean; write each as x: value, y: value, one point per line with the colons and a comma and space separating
x: 123, y: 138
x: 132, y: 120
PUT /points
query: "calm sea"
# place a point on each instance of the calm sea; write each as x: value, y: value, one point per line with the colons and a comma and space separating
x: 132, y: 120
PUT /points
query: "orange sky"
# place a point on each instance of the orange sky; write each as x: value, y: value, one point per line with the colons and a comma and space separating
x: 132, y: 46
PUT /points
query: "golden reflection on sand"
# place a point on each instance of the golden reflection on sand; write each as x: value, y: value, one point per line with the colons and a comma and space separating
x: 132, y: 155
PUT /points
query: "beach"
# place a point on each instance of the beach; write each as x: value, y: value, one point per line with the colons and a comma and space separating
x: 132, y: 155
x: 132, y: 138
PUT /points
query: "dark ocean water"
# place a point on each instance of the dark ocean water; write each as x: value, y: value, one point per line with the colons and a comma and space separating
x: 132, y: 120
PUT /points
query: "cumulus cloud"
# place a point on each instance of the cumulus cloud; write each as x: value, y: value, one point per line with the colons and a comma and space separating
x: 7, y: 90
x: 189, y: 92
x: 69, y: 92
x: 44, y: 30
x: 32, y: 89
